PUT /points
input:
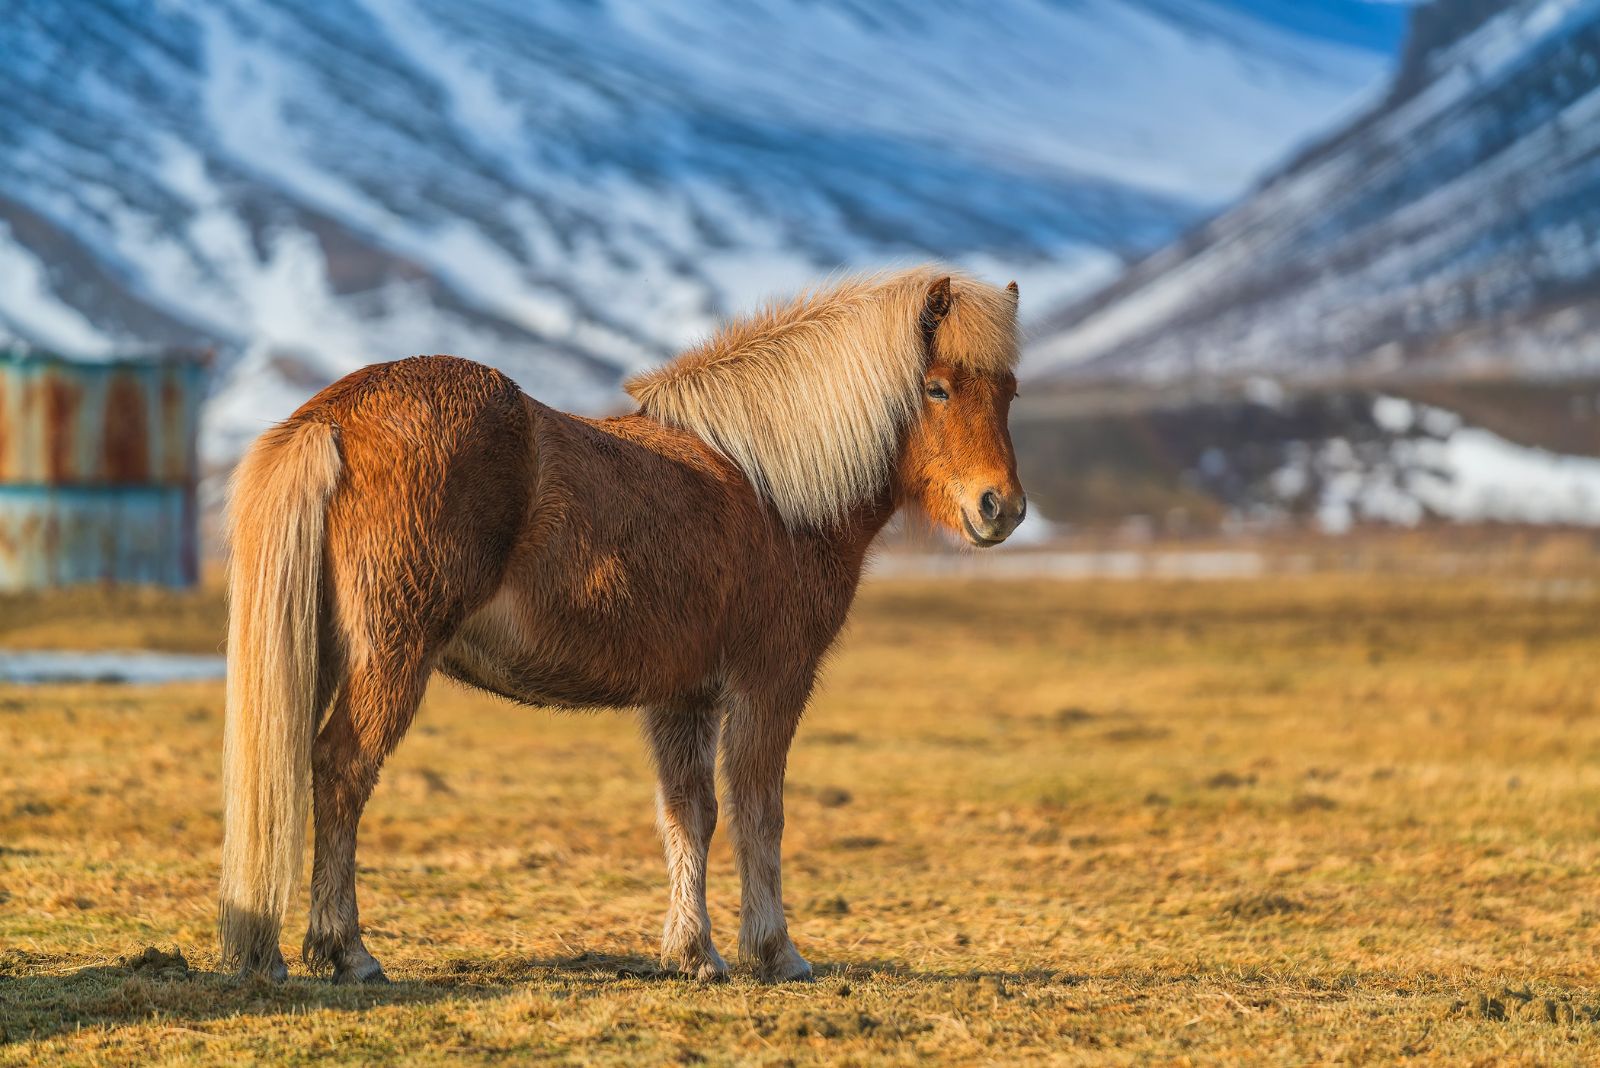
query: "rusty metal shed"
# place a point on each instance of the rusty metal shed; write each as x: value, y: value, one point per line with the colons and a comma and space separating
x: 98, y: 469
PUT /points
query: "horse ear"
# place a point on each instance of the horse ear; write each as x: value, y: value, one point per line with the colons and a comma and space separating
x: 1016, y: 294
x: 938, y: 303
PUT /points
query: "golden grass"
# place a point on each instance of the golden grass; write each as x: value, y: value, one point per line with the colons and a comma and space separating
x: 1298, y: 820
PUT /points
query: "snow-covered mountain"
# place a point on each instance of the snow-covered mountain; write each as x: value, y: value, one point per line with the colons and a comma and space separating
x: 571, y: 190
x: 1455, y: 226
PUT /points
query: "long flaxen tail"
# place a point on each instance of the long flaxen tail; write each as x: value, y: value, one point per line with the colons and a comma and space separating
x: 276, y: 518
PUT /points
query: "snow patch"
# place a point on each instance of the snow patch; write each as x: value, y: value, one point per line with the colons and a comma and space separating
x: 30, y: 309
x: 42, y: 667
x: 1476, y: 476
x: 1432, y: 466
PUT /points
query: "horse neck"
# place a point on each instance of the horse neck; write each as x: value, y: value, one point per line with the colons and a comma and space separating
x: 865, y: 520
x: 849, y: 541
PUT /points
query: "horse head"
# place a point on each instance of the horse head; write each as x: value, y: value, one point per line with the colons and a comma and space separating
x: 958, y: 465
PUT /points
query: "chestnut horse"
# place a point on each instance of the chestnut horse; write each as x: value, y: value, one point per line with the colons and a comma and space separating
x: 694, y: 559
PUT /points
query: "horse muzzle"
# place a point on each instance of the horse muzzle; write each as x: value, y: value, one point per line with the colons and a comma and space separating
x: 997, y: 514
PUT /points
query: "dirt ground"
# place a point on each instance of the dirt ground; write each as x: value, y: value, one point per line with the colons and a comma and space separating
x: 1314, y: 819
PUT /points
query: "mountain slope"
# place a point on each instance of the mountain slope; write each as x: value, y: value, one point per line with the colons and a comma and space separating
x: 1455, y: 226
x: 571, y: 191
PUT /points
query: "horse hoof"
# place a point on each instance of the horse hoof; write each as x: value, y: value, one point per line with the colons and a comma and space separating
x: 703, y: 964
x: 790, y: 967
x: 714, y: 970
x: 368, y: 972
x: 272, y: 971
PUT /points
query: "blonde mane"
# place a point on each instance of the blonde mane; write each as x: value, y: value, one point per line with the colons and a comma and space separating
x: 809, y: 398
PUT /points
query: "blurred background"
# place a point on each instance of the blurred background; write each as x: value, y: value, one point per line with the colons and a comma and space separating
x: 1288, y: 269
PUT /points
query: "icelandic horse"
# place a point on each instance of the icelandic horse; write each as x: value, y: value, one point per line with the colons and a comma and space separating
x: 694, y: 559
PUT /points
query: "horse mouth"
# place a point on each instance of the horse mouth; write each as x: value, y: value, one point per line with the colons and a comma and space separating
x: 980, y: 540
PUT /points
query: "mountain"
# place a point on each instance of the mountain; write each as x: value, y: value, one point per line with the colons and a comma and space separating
x: 1454, y: 227
x: 1212, y: 456
x: 571, y: 191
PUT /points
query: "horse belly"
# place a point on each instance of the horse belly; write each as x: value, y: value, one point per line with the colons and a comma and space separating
x: 511, y: 648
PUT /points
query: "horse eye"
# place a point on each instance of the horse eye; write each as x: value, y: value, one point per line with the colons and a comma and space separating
x: 937, y: 392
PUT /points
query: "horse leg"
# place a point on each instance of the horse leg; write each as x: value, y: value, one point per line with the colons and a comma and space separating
x: 683, y: 740
x: 374, y: 707
x: 755, y: 752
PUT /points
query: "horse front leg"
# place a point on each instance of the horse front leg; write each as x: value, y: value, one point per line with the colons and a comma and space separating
x: 755, y: 753
x: 683, y: 741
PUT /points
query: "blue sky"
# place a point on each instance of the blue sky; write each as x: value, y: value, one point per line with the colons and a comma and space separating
x: 1375, y: 25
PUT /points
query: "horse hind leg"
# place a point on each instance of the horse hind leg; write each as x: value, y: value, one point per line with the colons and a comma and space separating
x: 683, y: 741
x: 373, y: 709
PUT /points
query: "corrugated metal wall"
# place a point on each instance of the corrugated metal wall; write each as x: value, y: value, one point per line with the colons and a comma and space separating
x: 98, y: 470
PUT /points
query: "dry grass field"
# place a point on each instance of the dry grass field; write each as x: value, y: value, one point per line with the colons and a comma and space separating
x: 1319, y: 819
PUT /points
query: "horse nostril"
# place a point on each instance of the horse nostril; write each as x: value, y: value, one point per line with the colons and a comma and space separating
x: 989, y: 506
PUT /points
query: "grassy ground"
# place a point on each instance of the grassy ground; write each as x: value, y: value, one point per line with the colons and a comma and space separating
x: 1297, y: 820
